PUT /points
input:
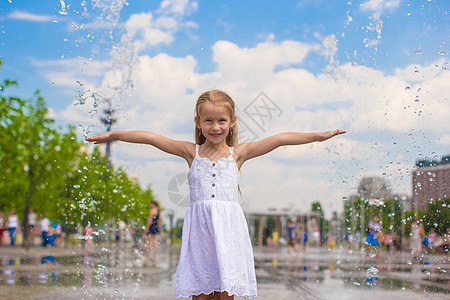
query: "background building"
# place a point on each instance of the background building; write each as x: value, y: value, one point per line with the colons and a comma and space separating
x: 430, y: 181
x: 374, y: 188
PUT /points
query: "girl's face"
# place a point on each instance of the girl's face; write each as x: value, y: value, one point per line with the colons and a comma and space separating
x: 214, y: 122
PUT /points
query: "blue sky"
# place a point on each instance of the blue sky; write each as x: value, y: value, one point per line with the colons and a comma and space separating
x: 376, y: 68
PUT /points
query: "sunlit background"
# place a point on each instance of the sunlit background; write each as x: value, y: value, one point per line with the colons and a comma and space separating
x: 374, y: 68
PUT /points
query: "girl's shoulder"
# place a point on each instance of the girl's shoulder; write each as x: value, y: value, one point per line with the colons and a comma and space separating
x: 189, y: 152
x: 189, y: 147
x: 239, y: 149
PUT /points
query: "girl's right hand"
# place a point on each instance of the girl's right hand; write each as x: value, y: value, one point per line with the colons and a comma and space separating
x: 101, y: 138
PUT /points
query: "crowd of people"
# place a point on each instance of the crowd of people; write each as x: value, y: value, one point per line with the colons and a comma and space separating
x: 11, y: 231
x: 374, y: 240
x: 420, y: 241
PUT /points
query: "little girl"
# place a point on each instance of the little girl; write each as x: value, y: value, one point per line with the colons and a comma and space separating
x: 151, y: 233
x: 216, y: 256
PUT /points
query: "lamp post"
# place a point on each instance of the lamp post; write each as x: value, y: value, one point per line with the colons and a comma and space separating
x: 108, y: 120
x: 170, y: 214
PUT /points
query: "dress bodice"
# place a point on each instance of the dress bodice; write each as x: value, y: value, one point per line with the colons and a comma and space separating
x: 213, y: 181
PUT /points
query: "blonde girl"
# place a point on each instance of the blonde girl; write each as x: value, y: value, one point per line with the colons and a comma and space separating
x: 216, y: 258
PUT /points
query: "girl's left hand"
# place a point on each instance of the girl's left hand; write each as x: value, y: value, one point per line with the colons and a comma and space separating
x: 329, y: 134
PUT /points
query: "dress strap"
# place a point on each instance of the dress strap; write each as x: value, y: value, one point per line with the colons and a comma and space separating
x: 231, y: 150
x: 196, y: 149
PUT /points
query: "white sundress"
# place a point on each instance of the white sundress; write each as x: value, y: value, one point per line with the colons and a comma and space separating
x: 216, y: 251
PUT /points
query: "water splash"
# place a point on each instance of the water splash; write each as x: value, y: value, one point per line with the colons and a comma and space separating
x: 329, y: 49
x: 88, y: 95
x: 372, y: 253
x: 372, y: 271
x: 124, y: 58
x: 110, y: 10
x: 122, y: 54
x: 63, y: 10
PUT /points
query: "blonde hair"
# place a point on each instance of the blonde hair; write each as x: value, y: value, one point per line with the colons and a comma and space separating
x: 217, y: 97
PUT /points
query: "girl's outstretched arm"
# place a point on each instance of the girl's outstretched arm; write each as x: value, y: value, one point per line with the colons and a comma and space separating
x: 180, y: 148
x: 247, y: 151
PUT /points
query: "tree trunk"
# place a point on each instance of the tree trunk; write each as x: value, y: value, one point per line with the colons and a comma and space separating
x: 25, y: 225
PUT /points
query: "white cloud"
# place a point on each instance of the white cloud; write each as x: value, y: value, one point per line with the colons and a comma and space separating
x: 444, y: 140
x: 265, y: 56
x: 362, y: 100
x: 26, y: 16
x: 138, y: 22
x: 178, y: 7
x: 66, y: 72
x: 268, y: 184
x: 150, y: 30
x: 379, y: 6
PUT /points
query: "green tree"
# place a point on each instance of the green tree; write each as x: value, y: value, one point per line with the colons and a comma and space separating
x: 437, y: 216
x: 391, y: 215
x: 323, y: 224
x: 51, y: 171
x: 27, y: 131
x: 10, y: 110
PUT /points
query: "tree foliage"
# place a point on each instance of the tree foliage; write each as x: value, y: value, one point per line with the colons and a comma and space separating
x: 394, y: 218
x: 53, y: 172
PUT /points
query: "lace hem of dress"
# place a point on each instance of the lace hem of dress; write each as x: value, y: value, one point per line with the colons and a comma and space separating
x: 209, y: 291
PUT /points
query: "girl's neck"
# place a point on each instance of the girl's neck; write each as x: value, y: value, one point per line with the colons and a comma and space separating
x: 214, y: 151
x: 212, y: 146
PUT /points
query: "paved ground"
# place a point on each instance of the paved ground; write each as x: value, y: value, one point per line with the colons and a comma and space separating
x: 116, y: 273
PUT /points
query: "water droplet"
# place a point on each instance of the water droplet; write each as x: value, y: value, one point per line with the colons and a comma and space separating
x: 62, y: 11
x: 372, y: 254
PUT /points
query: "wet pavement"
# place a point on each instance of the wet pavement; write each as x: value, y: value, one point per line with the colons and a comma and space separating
x: 116, y: 272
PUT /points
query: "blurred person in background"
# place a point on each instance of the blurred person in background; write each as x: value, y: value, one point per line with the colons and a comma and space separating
x: 44, y: 224
x: 2, y: 226
x: 32, y: 222
x: 152, y: 231
x: 13, y: 221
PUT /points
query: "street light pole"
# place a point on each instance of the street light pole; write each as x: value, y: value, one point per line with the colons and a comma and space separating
x: 171, y: 214
x: 108, y: 120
